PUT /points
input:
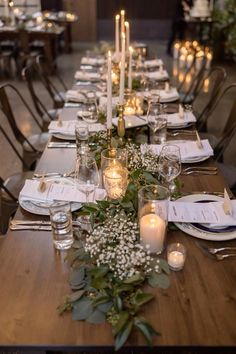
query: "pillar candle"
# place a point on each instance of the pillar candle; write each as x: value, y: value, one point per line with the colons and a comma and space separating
x: 130, y: 68
x: 122, y: 69
x: 109, y: 92
x: 152, y: 232
x: 127, y: 33
x: 6, y: 8
x: 117, y: 30
x: 122, y: 21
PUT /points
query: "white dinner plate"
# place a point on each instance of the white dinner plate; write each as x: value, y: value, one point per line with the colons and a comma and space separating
x: 197, y: 232
x: 64, y: 136
x: 42, y: 208
x: 180, y: 125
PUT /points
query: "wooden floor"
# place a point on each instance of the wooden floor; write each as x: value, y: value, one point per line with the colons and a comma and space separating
x: 67, y: 64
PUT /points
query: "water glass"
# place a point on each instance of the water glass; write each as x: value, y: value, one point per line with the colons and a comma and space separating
x: 153, y: 216
x: 61, y: 221
x: 169, y: 164
x: 157, y: 120
x: 81, y: 136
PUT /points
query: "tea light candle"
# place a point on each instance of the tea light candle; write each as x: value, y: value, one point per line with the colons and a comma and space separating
x: 176, y: 260
x: 152, y: 232
x: 182, y: 60
x: 115, y: 181
x: 189, y: 60
x: 176, y: 254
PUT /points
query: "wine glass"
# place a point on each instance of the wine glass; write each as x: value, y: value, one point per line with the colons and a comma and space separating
x: 169, y: 164
x: 87, y: 175
x: 157, y: 120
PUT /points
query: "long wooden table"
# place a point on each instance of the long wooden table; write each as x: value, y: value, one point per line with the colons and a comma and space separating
x: 197, y: 310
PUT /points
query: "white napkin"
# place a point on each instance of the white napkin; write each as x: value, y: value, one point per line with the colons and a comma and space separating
x: 75, y: 96
x: 92, y: 61
x: 157, y: 75
x: 165, y: 96
x: 211, y: 213
x: 153, y: 63
x: 188, y: 149
x: 87, y: 76
x: 68, y: 127
x: 132, y: 121
x: 56, y: 191
x: 103, y: 100
x: 174, y: 118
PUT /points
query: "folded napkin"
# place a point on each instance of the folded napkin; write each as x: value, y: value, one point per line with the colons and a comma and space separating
x: 68, y: 127
x: 157, y: 75
x: 75, y: 96
x: 87, y: 76
x: 153, y: 63
x: 165, y: 96
x: 56, y: 191
x: 93, y: 61
x: 211, y: 213
x: 103, y: 100
x: 188, y: 149
x: 132, y: 121
x: 175, y: 119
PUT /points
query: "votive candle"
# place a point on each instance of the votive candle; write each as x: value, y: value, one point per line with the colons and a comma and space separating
x: 152, y: 232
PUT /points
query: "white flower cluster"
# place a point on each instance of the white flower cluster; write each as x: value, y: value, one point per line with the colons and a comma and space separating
x: 137, y: 160
x: 115, y: 244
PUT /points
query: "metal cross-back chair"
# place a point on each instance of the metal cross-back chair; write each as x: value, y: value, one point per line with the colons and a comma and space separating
x: 33, y: 145
x: 28, y: 74
x: 11, y: 187
x: 209, y: 90
x: 57, y: 95
x: 229, y: 116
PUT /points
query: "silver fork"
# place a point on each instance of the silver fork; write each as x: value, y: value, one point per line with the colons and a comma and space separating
x: 216, y: 250
x: 202, y: 168
x: 199, y: 172
x: 220, y: 257
x: 56, y: 174
x: 181, y: 132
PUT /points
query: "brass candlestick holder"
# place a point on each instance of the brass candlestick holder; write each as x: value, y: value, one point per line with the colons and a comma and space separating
x: 109, y: 135
x: 121, y: 121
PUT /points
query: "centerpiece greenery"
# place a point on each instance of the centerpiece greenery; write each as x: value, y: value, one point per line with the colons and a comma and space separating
x: 109, y: 267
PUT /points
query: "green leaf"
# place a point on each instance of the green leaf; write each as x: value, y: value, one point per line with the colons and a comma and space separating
x: 164, y: 266
x: 123, y: 335
x: 136, y: 174
x: 142, y: 298
x: 146, y: 329
x: 82, y: 309
x: 104, y: 204
x: 96, y: 317
x: 149, y: 178
x: 105, y: 307
x: 137, y: 278
x: 99, y: 283
x: 98, y: 272
x: 100, y: 299
x: 76, y: 295
x: 123, y: 288
x: 118, y: 303
x: 122, y: 320
x: 159, y: 281
x: 77, y: 276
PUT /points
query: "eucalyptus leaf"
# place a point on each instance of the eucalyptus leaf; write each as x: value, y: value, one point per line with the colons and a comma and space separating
x: 96, y: 317
x: 98, y: 272
x: 122, y: 320
x: 123, y: 335
x: 142, y: 298
x: 159, y: 281
x: 100, y: 299
x: 76, y: 295
x: 77, y: 276
x: 137, y: 278
x: 149, y: 178
x: 118, y: 303
x: 105, y: 307
x: 164, y: 266
x: 104, y: 204
x: 146, y: 329
x: 82, y: 309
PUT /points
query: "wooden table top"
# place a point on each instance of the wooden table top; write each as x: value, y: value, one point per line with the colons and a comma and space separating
x: 198, y: 309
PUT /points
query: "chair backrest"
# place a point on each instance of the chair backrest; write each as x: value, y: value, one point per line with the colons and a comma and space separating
x: 7, y: 110
x: 208, y: 92
x: 28, y: 74
x: 48, y: 83
x: 226, y: 100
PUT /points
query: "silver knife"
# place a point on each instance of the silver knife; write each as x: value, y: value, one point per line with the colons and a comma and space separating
x: 16, y: 222
x: 30, y: 227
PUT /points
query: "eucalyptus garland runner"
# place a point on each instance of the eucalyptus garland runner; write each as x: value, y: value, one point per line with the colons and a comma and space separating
x: 110, y: 268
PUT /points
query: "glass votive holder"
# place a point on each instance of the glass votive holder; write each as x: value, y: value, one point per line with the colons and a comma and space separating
x: 130, y: 104
x: 114, y: 157
x: 115, y: 179
x: 153, y: 216
x: 176, y: 255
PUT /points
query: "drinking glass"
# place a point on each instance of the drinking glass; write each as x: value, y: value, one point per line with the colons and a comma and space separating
x: 169, y: 164
x: 81, y: 136
x: 157, y: 121
x: 86, y: 175
x: 90, y: 113
x: 61, y: 221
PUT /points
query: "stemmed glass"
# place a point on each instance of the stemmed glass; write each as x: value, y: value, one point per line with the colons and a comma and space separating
x: 156, y: 119
x: 87, y: 175
x: 169, y: 165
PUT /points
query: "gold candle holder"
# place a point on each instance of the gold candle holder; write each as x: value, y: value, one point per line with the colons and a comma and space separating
x: 109, y: 135
x: 121, y: 121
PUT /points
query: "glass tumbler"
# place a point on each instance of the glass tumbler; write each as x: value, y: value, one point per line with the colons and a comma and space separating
x: 61, y: 221
x: 153, y: 216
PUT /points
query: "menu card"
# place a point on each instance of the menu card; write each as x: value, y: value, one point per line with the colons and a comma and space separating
x: 56, y: 191
x: 211, y: 213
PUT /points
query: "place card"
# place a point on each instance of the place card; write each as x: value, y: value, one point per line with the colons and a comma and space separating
x: 205, y: 213
x: 56, y: 191
x: 227, y: 205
